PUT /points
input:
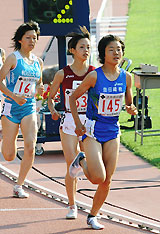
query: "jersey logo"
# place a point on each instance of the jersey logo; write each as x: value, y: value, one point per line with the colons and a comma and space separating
x: 69, y: 76
x: 118, y: 84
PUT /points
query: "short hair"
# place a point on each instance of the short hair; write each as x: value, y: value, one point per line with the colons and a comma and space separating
x: 23, y: 28
x: 104, y: 42
x: 76, y: 36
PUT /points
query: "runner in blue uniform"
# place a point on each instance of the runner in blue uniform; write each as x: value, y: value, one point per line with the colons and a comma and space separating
x: 107, y: 86
x: 22, y: 72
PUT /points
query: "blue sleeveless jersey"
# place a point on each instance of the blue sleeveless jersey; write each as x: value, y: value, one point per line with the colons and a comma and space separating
x: 105, y: 87
x: 23, y: 78
x: 103, y: 107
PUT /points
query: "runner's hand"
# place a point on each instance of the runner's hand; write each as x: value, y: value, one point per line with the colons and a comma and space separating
x: 132, y: 110
x: 80, y: 130
x: 55, y: 115
x: 20, y: 100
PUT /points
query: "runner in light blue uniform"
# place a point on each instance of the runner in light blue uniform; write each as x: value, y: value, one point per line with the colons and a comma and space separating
x: 22, y: 81
x: 22, y: 73
x: 104, y: 127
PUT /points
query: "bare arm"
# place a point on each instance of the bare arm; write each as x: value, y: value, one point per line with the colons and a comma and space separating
x: 59, y: 76
x: 130, y: 107
x: 3, y: 55
x: 89, y: 81
x: 9, y: 64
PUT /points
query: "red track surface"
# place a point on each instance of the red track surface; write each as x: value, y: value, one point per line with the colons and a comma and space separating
x: 39, y: 214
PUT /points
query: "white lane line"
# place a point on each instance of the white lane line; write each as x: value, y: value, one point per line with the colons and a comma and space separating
x: 31, y: 209
x: 115, y: 217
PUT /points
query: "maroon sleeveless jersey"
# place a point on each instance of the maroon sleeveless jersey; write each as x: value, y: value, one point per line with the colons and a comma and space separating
x: 69, y: 84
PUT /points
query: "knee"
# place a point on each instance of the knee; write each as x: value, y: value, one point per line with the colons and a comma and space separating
x: 30, y: 148
x: 107, y: 183
x: 97, y: 179
x: 9, y: 156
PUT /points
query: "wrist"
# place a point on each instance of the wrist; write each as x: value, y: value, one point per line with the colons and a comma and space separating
x: 53, y: 112
x: 13, y: 96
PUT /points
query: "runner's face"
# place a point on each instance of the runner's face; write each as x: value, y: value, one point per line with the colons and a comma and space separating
x: 29, y: 40
x: 113, y: 52
x: 82, y: 50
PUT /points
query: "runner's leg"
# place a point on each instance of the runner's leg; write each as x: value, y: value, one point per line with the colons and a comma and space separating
x: 69, y: 145
x: 9, y: 132
x: 29, y: 132
x: 93, y: 165
x: 110, y: 157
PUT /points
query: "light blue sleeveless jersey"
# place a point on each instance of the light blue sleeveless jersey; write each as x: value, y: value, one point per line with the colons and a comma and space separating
x: 23, y: 76
x: 22, y: 80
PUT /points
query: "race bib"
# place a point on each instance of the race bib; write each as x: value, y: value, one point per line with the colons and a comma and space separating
x: 110, y: 104
x: 76, y: 83
x: 81, y: 101
x: 25, y: 86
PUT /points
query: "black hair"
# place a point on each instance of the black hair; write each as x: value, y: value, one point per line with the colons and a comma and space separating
x: 76, y: 36
x: 23, y: 28
x: 104, y: 42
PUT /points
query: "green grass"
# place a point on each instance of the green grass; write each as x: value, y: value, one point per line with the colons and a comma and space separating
x: 143, y: 46
x: 143, y: 32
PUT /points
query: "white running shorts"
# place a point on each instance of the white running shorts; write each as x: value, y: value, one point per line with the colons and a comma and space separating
x: 68, y: 126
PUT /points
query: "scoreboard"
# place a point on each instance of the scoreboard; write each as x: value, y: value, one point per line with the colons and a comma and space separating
x: 57, y: 17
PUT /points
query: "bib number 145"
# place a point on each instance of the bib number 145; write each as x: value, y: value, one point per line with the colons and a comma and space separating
x: 110, y: 104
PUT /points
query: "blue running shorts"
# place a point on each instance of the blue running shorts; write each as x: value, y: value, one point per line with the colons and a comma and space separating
x: 101, y: 131
x: 16, y: 113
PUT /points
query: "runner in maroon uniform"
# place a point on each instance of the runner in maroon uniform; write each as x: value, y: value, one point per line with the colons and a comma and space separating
x: 70, y: 77
x: 70, y: 82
